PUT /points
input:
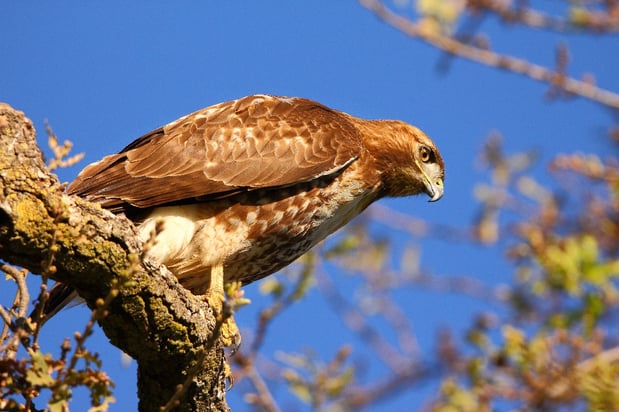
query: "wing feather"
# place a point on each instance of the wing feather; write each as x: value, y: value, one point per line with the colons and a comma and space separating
x: 251, y: 143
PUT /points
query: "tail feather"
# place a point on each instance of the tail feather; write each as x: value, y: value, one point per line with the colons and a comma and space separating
x: 60, y: 295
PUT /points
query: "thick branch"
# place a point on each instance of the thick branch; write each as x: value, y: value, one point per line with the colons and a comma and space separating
x: 153, y: 319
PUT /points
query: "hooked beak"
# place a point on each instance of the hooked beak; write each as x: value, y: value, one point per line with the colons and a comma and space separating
x: 434, y: 189
x: 433, y: 185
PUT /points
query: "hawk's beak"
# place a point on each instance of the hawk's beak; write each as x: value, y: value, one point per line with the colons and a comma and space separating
x: 433, y: 185
x: 434, y: 189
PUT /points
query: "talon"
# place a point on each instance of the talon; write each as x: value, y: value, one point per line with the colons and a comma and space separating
x: 228, y: 376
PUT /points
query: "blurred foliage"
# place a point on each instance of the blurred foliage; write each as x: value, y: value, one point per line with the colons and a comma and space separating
x: 557, y: 348
x: 446, y: 15
x: 307, y: 377
x: 29, y: 377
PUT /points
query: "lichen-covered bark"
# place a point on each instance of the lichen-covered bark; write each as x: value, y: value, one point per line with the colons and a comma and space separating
x: 154, y: 319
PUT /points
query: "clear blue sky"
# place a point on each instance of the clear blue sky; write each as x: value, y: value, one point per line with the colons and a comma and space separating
x: 104, y: 73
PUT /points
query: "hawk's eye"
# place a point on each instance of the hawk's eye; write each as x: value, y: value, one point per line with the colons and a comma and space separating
x: 425, y: 154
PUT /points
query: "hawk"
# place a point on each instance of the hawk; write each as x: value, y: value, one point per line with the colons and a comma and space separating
x: 238, y: 190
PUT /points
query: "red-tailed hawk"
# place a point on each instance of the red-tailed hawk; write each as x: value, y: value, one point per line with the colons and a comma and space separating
x: 243, y: 188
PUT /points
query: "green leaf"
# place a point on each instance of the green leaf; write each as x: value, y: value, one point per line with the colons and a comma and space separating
x: 336, y: 385
x: 271, y: 286
x: 38, y: 374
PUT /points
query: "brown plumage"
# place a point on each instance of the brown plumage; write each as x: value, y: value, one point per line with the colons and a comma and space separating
x: 250, y: 185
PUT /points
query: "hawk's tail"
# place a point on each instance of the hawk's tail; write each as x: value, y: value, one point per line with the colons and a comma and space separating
x: 60, y: 295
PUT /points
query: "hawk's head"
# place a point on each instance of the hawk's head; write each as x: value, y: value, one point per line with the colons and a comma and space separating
x: 408, y: 159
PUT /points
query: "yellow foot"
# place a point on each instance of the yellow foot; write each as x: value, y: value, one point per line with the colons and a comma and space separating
x: 229, y: 332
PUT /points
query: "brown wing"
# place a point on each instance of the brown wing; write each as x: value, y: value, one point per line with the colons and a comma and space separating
x: 254, y: 142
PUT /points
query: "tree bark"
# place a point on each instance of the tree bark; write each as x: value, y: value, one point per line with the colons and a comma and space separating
x: 165, y: 328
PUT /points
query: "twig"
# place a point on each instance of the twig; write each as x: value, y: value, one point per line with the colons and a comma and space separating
x: 22, y: 298
x: 264, y: 398
x: 360, y: 397
x: 608, y: 356
x: 18, y: 309
x: 416, y: 227
x: 6, y: 318
x: 60, y: 152
x: 581, y: 18
x: 359, y: 324
x: 247, y: 361
x: 490, y: 58
x: 267, y: 315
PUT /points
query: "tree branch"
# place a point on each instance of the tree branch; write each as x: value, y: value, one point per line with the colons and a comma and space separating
x: 556, y: 79
x: 152, y: 318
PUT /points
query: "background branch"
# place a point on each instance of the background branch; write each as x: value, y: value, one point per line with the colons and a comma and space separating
x: 556, y: 79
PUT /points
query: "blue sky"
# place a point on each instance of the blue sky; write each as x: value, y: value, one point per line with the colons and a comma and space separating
x: 104, y: 73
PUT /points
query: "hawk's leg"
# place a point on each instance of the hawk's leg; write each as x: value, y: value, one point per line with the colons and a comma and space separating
x: 216, y: 299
